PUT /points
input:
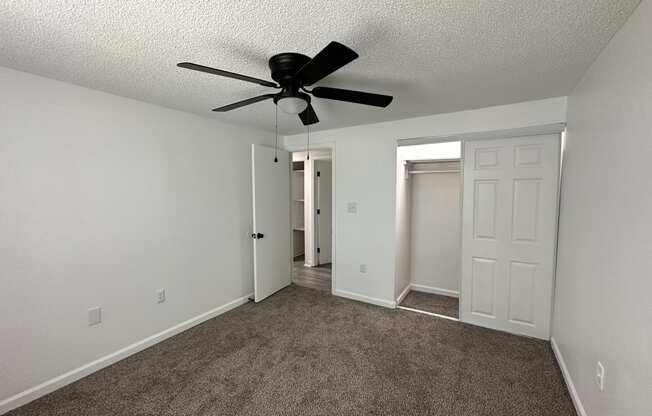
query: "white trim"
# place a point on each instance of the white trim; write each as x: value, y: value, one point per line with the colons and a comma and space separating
x: 366, y: 299
x: 567, y: 377
x: 435, y: 290
x: 55, y: 383
x: 403, y: 294
x: 450, y: 318
x: 540, y: 130
x: 298, y: 147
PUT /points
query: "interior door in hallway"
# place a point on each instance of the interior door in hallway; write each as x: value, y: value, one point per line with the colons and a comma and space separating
x: 271, y: 225
x: 324, y: 202
x: 509, y: 233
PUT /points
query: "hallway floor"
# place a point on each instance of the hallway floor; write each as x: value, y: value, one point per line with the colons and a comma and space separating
x: 318, y: 277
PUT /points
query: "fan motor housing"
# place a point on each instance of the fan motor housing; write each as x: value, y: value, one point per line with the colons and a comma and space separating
x: 284, y: 67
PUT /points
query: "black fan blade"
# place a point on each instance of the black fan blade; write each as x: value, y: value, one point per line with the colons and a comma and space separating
x: 333, y: 57
x: 308, y: 116
x: 244, y: 102
x: 209, y: 70
x: 351, y: 96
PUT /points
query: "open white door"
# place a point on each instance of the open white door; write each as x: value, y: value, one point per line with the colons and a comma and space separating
x: 271, y: 213
x: 324, y: 214
x: 508, y: 233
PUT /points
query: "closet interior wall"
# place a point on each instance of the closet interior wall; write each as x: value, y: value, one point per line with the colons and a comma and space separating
x: 435, y: 226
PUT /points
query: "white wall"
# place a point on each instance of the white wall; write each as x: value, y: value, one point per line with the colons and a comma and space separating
x: 104, y: 200
x: 436, y: 229
x: 402, y: 231
x: 365, y: 165
x: 603, y: 308
x: 308, y: 209
x: 297, y: 212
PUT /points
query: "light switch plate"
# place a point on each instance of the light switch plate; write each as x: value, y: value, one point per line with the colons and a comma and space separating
x: 94, y: 316
x: 599, y: 375
x: 160, y: 295
x: 352, y: 207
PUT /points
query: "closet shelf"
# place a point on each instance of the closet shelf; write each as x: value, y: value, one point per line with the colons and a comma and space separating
x: 298, y: 200
x: 299, y: 229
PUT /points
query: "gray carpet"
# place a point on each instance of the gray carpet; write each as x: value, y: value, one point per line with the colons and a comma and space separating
x: 442, y: 305
x: 305, y: 352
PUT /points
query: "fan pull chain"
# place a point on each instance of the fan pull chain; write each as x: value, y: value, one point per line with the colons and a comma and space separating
x: 276, y: 138
x: 308, y: 153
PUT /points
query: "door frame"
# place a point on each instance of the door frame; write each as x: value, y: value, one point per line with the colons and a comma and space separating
x: 331, y: 147
x: 556, y: 128
x: 435, y: 140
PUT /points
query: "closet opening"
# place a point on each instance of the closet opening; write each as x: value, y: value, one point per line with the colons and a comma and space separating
x: 429, y: 228
x: 311, y: 192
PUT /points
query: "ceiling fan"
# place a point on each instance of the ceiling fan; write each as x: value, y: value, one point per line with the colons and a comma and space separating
x: 293, y: 72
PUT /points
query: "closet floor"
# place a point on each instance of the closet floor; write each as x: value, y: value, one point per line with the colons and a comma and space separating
x: 428, y: 302
x: 318, y: 277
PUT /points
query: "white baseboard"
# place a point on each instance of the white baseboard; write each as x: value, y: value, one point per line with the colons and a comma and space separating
x: 567, y: 377
x: 403, y: 294
x: 366, y: 299
x: 80, y: 372
x: 435, y: 290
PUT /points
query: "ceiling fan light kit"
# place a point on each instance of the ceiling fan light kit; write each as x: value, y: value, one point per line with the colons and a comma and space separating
x: 292, y: 103
x: 293, y: 72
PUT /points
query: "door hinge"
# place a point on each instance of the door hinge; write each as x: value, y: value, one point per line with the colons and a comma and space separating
x: 318, y: 250
x: 318, y: 211
x: 318, y: 173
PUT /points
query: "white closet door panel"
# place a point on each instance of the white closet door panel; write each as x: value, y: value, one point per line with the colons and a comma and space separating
x: 484, y: 210
x: 509, y: 233
x: 483, y: 292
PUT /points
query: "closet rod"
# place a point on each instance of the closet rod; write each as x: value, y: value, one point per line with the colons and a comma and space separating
x: 414, y: 172
x: 427, y: 161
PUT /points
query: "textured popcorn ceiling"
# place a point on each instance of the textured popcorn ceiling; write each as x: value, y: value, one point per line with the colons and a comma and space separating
x: 434, y: 56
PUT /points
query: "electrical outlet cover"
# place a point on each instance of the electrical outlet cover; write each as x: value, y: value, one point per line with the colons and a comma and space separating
x: 94, y: 316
